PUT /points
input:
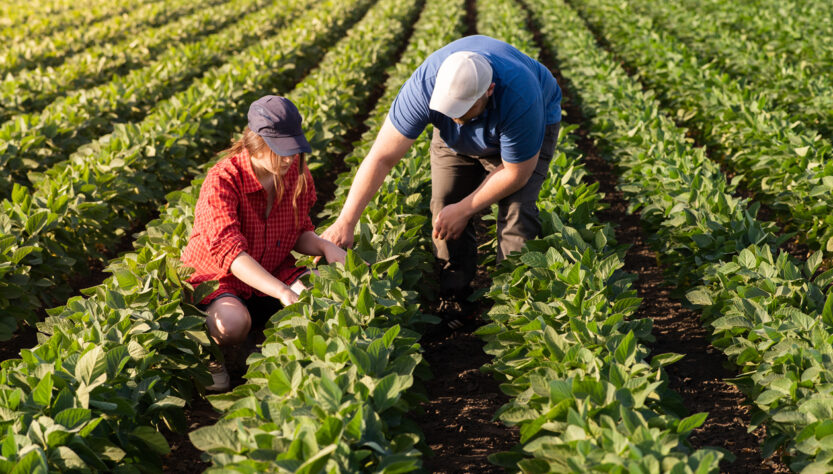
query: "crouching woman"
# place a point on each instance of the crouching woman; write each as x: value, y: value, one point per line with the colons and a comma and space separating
x: 252, y: 211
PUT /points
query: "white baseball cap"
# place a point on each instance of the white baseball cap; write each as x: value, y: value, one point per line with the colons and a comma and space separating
x: 462, y: 79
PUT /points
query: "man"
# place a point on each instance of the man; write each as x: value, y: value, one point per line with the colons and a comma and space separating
x: 496, y: 115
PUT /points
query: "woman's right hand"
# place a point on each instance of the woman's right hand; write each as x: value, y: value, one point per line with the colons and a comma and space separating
x: 287, y: 296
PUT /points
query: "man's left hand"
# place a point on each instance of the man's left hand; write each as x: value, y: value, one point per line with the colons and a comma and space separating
x: 451, y: 221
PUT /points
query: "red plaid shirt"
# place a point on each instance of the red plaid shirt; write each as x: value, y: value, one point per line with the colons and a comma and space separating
x: 230, y: 218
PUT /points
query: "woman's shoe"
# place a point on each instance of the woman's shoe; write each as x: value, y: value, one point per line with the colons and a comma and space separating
x: 222, y: 381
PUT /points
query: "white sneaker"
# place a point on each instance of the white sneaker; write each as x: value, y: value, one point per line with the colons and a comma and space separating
x: 222, y: 381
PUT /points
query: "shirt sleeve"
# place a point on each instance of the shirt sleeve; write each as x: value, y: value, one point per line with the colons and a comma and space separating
x: 225, y: 240
x: 409, y: 112
x: 311, y: 197
x: 523, y: 133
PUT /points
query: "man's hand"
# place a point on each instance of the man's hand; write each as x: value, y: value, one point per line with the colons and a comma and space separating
x: 451, y: 221
x: 339, y: 234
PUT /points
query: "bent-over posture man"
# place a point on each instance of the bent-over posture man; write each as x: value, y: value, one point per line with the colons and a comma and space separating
x: 496, y: 115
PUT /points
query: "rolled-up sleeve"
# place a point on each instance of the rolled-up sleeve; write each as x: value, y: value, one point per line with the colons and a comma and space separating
x: 225, y: 240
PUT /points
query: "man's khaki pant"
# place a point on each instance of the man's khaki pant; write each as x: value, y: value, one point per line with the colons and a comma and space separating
x: 453, y: 177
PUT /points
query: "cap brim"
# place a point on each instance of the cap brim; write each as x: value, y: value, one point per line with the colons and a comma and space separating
x: 454, y: 108
x: 288, y: 146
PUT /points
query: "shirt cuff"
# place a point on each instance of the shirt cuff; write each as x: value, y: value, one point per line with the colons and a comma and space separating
x: 227, y: 252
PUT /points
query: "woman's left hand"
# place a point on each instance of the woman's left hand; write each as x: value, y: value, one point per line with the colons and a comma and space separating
x: 334, y: 253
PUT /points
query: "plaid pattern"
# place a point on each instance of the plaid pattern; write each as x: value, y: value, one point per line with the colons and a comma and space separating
x: 230, y: 218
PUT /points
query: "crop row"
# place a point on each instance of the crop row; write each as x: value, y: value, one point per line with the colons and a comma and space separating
x: 784, y: 81
x: 331, y: 388
x: 585, y: 396
x: 123, y: 360
x: 769, y: 314
x: 33, y: 142
x: 82, y: 207
x: 17, y: 22
x: 51, y: 51
x: 31, y: 90
x: 800, y: 30
x: 784, y: 163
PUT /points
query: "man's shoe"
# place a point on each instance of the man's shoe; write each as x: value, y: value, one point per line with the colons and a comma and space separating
x: 222, y: 381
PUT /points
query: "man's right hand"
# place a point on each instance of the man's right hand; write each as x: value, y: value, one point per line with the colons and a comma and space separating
x: 339, y: 234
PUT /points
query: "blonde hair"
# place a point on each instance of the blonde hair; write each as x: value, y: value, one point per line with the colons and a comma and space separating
x: 255, y: 145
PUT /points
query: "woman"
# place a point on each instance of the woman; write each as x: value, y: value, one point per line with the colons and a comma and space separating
x: 252, y: 211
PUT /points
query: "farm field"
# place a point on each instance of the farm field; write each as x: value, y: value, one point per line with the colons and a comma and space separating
x: 676, y: 315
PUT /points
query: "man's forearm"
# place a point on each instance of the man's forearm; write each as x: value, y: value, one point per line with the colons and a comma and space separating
x: 368, y: 180
x: 497, y: 185
x: 390, y: 146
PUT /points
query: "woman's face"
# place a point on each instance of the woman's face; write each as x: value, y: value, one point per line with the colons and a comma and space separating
x: 279, y: 166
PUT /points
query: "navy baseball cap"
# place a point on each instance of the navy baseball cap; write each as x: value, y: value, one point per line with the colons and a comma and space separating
x: 278, y: 122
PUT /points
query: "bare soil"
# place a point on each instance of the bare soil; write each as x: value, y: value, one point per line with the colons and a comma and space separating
x: 457, y: 421
x: 24, y: 338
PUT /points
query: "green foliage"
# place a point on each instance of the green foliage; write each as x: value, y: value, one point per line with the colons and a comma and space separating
x: 330, y: 389
x: 49, y: 132
x: 769, y: 312
x: 34, y: 57
x: 93, y: 197
x: 585, y: 396
x: 784, y: 161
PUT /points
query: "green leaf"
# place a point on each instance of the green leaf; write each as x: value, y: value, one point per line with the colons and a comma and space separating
x: 42, y: 394
x: 126, y: 279
x: 317, y: 462
x: 34, y: 462
x: 386, y: 392
x: 88, y: 367
x: 747, y: 259
x: 9, y: 447
x: 827, y: 312
x: 534, y: 260
x: 153, y: 439
x: 219, y: 436
x: 699, y: 297
x: 72, y: 417
x: 36, y: 222
x: 390, y: 336
x: 21, y: 253
x: 365, y: 301
x: 813, y: 262
x: 279, y: 382
x: 627, y: 349
x: 330, y: 393
x: 662, y: 360
x: 691, y: 422
x: 360, y: 358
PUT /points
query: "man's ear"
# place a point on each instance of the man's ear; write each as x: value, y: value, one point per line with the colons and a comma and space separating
x: 490, y: 90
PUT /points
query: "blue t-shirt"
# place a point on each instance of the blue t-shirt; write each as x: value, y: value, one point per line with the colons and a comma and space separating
x: 526, y: 99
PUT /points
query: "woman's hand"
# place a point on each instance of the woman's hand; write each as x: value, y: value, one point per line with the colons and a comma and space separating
x: 334, y: 253
x: 287, y: 296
